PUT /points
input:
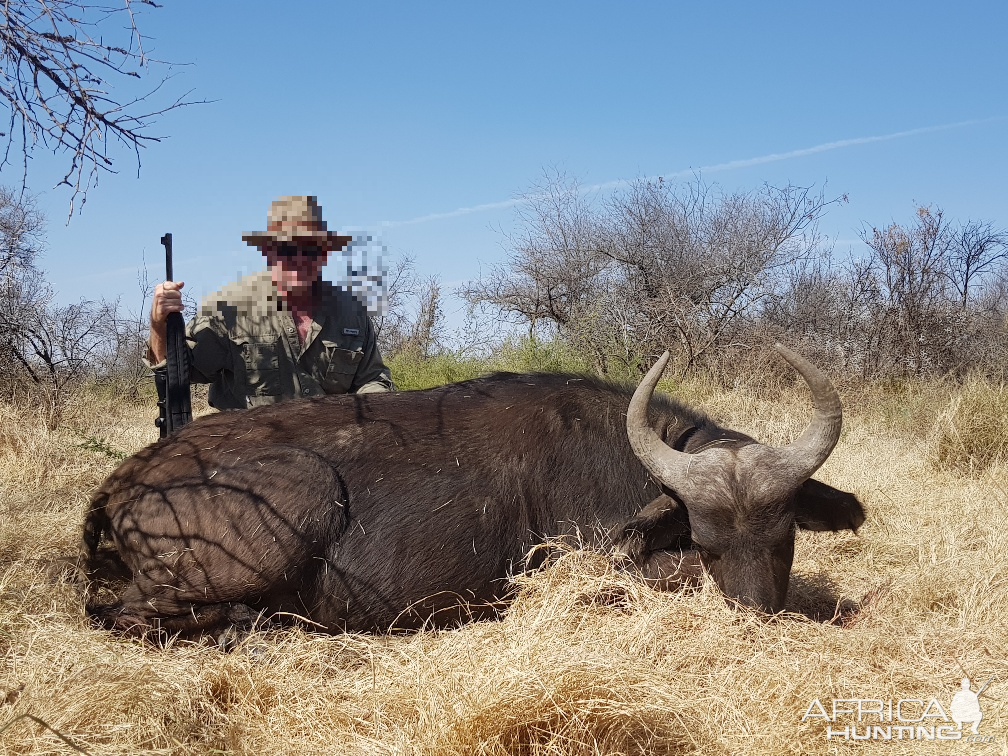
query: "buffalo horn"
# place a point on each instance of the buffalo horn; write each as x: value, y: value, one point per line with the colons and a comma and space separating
x: 667, y: 464
x: 801, y: 458
x: 807, y: 452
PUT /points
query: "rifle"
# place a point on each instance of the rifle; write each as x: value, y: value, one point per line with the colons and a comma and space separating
x: 982, y: 687
x: 174, y: 401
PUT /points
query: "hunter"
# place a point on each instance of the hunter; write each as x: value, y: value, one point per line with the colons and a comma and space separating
x: 282, y: 333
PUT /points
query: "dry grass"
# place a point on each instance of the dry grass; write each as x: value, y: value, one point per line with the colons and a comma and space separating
x: 586, y: 661
x: 971, y: 433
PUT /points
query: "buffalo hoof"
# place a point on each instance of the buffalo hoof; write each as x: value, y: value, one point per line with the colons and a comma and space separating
x: 117, y: 618
x: 664, y: 570
x: 244, y: 622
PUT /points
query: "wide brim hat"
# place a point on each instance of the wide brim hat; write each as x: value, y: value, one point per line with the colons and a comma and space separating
x: 296, y: 219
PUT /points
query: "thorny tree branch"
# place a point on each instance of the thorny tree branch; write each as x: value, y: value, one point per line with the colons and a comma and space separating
x: 57, y: 76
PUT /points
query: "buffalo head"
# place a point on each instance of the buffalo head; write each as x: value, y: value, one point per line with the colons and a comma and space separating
x: 744, y: 499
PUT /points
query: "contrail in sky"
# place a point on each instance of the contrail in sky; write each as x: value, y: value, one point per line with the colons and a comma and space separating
x: 773, y: 157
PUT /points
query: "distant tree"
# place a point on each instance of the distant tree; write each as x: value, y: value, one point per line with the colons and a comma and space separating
x: 22, y: 230
x: 427, y: 333
x: 554, y: 264
x: 22, y: 234
x: 659, y: 265
x: 413, y: 319
x: 49, y: 351
x: 975, y: 249
x: 69, y: 76
x: 57, y: 348
x: 394, y: 324
x: 910, y: 262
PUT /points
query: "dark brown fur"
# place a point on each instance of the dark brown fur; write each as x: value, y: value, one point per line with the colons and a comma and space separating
x: 380, y: 510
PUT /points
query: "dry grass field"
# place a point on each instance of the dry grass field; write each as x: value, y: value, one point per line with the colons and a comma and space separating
x: 586, y: 660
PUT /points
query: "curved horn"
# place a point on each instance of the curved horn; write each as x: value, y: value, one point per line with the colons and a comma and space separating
x: 661, y: 460
x: 802, y: 457
x: 813, y: 446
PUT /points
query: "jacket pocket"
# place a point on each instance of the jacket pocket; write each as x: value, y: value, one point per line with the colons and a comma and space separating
x: 340, y: 367
x: 262, y: 367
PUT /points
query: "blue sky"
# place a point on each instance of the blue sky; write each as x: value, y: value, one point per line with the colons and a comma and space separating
x: 402, y: 118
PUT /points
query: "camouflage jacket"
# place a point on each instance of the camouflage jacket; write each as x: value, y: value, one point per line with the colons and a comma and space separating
x: 245, y: 345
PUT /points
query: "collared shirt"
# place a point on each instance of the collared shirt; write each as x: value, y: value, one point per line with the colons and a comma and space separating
x: 245, y: 344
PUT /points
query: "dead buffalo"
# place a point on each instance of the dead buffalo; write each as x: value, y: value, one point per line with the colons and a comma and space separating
x: 394, y: 510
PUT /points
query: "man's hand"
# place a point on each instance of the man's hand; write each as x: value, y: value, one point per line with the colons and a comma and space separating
x: 167, y: 299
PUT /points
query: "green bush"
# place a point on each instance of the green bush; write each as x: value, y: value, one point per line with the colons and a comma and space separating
x: 411, y: 371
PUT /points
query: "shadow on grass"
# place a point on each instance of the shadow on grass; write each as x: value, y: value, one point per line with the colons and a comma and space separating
x: 816, y: 597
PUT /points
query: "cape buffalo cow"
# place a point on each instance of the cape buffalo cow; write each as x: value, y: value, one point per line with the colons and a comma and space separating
x: 394, y: 510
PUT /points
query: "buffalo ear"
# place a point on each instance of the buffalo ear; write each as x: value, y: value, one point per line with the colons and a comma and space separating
x: 822, y: 507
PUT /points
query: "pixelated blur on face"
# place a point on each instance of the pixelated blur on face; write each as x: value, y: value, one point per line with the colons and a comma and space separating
x: 295, y: 267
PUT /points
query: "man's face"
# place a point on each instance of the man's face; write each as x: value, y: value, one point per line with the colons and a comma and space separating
x: 295, y: 266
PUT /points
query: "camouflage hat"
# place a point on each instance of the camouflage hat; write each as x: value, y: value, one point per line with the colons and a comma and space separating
x: 296, y: 219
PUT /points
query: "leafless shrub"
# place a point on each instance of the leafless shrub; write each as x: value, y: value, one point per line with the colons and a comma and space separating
x: 927, y: 299
x: 22, y: 235
x: 554, y: 264
x: 917, y: 316
x: 393, y: 325
x: 22, y: 230
x: 55, y: 349
x: 658, y: 265
x: 937, y: 311
x: 414, y: 319
x: 48, y: 350
x: 477, y: 336
x: 974, y: 250
x: 427, y: 332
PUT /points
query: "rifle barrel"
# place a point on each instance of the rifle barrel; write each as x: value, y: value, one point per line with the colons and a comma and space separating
x: 166, y: 240
x: 985, y: 685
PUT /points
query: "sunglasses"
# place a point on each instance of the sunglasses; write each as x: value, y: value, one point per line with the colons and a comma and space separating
x: 291, y: 251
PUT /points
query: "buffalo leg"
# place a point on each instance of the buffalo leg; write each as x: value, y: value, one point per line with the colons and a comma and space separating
x: 654, y: 544
x: 133, y: 615
x: 672, y: 570
x: 205, y: 547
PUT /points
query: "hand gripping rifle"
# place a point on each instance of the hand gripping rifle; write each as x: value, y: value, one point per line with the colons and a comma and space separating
x: 172, y: 381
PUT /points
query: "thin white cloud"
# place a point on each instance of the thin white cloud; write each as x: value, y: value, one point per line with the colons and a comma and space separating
x: 456, y: 213
x: 731, y: 165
